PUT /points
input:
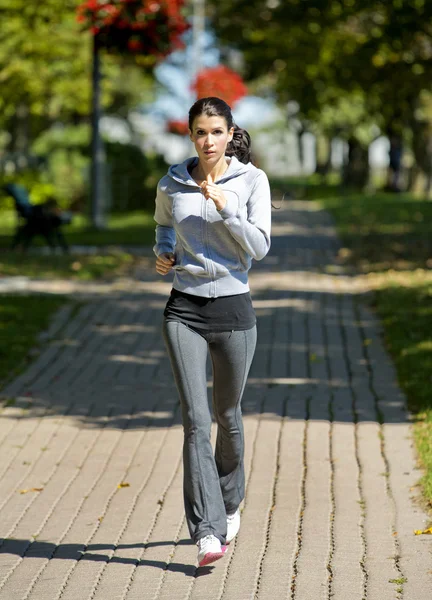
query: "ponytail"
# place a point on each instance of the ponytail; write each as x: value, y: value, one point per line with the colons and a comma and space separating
x: 240, y: 146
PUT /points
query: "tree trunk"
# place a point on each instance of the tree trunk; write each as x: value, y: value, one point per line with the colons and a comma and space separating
x: 356, y: 170
x: 300, y: 150
x: 19, y: 129
x: 395, y: 161
x: 97, y: 148
x: 412, y: 178
x: 323, y: 155
x: 422, y: 149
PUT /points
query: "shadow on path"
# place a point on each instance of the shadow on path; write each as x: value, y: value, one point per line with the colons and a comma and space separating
x: 95, y: 553
x: 108, y: 367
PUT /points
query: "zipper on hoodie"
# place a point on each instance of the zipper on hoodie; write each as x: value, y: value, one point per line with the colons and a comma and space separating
x: 209, y: 261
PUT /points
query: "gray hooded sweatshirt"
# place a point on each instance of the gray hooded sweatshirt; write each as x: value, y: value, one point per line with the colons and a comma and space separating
x: 213, y: 249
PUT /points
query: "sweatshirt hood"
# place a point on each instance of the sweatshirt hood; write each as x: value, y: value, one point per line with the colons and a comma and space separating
x: 181, y: 173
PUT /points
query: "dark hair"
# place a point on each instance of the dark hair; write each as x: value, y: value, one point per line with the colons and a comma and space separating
x: 240, y: 146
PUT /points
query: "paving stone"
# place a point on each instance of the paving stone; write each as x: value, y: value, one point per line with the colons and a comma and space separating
x: 331, y: 497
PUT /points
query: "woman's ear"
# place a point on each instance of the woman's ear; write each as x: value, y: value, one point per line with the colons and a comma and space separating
x: 190, y: 135
x: 230, y: 134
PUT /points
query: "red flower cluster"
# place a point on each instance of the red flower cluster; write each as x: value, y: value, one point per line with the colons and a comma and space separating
x: 177, y: 126
x: 222, y: 82
x: 152, y: 27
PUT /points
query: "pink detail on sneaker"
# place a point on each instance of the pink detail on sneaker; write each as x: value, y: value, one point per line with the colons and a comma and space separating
x: 211, y: 557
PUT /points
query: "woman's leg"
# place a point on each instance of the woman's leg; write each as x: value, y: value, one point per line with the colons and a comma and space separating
x: 204, y: 506
x: 232, y: 353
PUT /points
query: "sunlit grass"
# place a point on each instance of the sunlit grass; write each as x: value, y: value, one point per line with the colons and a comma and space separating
x: 82, y: 267
x: 405, y: 307
x: 385, y: 231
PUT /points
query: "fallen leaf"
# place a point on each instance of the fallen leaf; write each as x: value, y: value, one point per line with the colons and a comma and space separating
x: 367, y: 342
x: 314, y: 358
x: 31, y: 490
x: 100, y: 519
x: 423, y: 531
x: 123, y: 484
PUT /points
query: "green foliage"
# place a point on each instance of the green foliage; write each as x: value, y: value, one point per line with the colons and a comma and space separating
x: 37, y: 183
x: 133, y: 176
x: 45, y: 69
x: 65, y: 150
x: 45, y: 60
x: 45, y: 73
x: 377, y: 53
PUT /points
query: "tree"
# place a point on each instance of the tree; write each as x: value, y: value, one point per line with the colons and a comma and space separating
x: 45, y: 67
x: 132, y: 28
x: 333, y: 51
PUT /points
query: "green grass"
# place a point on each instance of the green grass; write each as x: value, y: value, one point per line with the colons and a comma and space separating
x: 130, y: 229
x: 388, y: 238
x: 134, y: 229
x: 405, y: 307
x: 82, y: 267
x: 384, y: 231
x: 22, y: 318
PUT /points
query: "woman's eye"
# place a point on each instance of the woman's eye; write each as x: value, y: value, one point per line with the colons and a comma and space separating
x: 217, y: 132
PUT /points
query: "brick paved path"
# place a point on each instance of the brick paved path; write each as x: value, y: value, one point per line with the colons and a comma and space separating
x: 329, y: 459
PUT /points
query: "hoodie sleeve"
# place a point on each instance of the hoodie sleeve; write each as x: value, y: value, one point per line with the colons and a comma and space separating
x: 252, y: 232
x: 165, y: 233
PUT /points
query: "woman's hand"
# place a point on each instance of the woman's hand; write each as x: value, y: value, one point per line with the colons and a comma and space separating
x: 164, y: 263
x: 214, y: 192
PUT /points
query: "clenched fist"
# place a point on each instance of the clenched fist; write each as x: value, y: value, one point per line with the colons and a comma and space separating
x: 213, y: 192
x: 164, y: 263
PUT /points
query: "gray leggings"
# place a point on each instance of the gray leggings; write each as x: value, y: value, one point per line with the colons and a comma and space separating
x: 213, y: 486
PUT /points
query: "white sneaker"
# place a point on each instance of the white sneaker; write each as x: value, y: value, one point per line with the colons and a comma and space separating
x: 233, y: 525
x: 209, y: 550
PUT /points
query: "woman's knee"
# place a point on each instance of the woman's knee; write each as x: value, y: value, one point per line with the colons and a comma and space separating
x: 196, y: 419
x: 228, y: 419
x: 198, y: 430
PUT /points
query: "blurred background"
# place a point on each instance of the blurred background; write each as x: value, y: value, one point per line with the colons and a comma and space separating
x: 94, y: 99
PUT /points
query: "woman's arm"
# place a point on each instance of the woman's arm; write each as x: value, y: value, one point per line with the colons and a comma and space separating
x: 252, y: 232
x: 165, y: 232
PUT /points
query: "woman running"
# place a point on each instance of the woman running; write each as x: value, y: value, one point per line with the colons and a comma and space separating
x: 213, y: 215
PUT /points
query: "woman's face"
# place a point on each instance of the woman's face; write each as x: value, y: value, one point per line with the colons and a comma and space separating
x: 210, y: 136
